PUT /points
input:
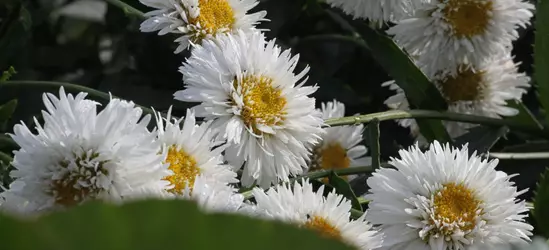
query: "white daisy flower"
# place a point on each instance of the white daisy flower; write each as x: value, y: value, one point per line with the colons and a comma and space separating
x: 247, y: 87
x: 444, y: 199
x: 340, y: 147
x: 79, y: 154
x: 484, y: 91
x: 538, y: 243
x: 329, y: 216
x: 191, y: 151
x: 196, y: 20
x: 381, y: 11
x: 446, y: 33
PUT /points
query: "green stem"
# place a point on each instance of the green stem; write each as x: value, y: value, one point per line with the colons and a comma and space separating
x: 361, y: 200
x: 447, y: 116
x: 520, y: 156
x: 324, y: 173
x: 128, y: 9
x: 69, y: 87
x: 355, y: 214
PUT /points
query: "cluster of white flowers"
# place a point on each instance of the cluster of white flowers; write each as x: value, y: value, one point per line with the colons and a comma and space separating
x: 259, y: 118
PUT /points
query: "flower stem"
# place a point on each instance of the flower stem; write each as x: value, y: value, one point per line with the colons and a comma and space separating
x: 429, y: 114
x: 520, y: 156
x: 128, y: 9
x: 69, y: 87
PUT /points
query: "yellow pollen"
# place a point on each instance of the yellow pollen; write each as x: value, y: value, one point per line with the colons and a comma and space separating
x: 184, y: 170
x: 334, y: 156
x: 468, y: 18
x: 455, y: 203
x: 467, y: 85
x: 323, y: 227
x: 263, y: 103
x: 65, y: 190
x: 215, y: 15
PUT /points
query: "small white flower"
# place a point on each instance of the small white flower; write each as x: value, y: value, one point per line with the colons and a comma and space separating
x: 196, y: 20
x: 329, y: 216
x: 247, y: 87
x: 484, y: 91
x: 79, y: 154
x: 538, y: 243
x: 446, y: 33
x: 340, y: 146
x: 381, y: 11
x: 444, y: 199
x: 191, y: 151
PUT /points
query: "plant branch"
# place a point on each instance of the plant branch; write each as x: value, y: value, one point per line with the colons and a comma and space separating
x: 447, y: 116
x: 520, y: 156
x: 128, y: 9
x: 69, y: 87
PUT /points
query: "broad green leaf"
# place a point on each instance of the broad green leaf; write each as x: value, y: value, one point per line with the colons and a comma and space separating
x: 6, y: 143
x: 14, y: 35
x: 481, y: 139
x: 541, y: 204
x: 420, y: 92
x: 6, y: 111
x: 154, y: 224
x: 541, y: 54
x: 524, y: 116
x: 342, y: 187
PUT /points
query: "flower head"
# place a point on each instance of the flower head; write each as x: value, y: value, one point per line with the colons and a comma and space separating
x: 378, y: 11
x: 247, y: 88
x: 329, y: 216
x: 196, y: 20
x: 79, y: 154
x: 444, y: 199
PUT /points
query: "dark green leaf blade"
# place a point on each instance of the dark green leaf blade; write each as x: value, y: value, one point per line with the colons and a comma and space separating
x: 419, y: 90
x: 524, y: 116
x: 541, y: 54
x: 145, y: 225
x: 481, y: 139
x: 6, y: 111
x: 342, y: 187
x: 541, y: 204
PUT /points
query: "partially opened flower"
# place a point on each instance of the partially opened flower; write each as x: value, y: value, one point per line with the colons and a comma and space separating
x: 340, y: 146
x: 192, y: 151
x: 247, y: 87
x: 484, y: 90
x: 445, y: 199
x: 195, y: 20
x: 381, y: 11
x: 329, y: 216
x: 80, y: 155
x: 446, y: 33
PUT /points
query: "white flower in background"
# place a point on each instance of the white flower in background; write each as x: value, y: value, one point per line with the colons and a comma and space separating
x: 329, y: 216
x: 340, y: 147
x: 399, y: 101
x: 195, y: 20
x: 538, y: 243
x: 381, y: 11
x: 484, y: 91
x: 444, y: 199
x: 79, y: 154
x: 446, y: 33
x: 191, y: 151
x: 247, y: 87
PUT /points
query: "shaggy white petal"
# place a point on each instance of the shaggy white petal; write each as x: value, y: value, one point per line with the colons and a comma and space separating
x: 376, y: 10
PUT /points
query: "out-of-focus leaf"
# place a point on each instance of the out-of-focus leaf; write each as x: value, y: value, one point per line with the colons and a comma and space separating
x: 342, y: 187
x: 541, y: 54
x: 541, y: 204
x: 7, y: 74
x: 481, y: 139
x: 524, y: 116
x: 14, y: 32
x: 419, y: 90
x: 6, y: 111
x: 91, y: 10
x: 148, y: 225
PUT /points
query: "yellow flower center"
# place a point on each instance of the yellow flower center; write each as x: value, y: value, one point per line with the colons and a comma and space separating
x: 468, y: 18
x: 214, y: 15
x: 466, y: 85
x: 77, y: 185
x: 263, y: 103
x: 184, y: 170
x: 455, y: 204
x: 334, y: 156
x: 323, y: 227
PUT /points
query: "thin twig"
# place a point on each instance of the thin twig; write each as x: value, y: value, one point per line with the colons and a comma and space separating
x: 520, y: 156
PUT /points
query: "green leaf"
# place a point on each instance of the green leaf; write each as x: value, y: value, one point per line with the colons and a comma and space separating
x: 420, y: 92
x: 151, y: 224
x: 6, y: 111
x: 541, y: 54
x: 342, y: 187
x: 524, y: 116
x: 481, y: 139
x: 15, y: 31
x: 7, y: 143
x: 7, y: 74
x: 541, y: 204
